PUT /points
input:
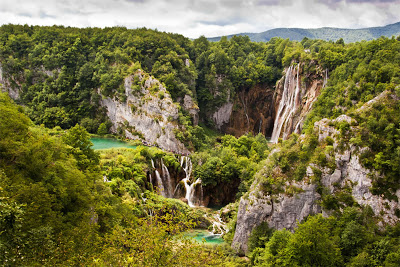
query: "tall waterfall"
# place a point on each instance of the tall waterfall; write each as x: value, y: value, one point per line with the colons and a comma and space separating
x: 159, y: 181
x: 186, y: 164
x: 167, y: 179
x: 289, y: 103
x: 160, y: 184
x: 166, y: 185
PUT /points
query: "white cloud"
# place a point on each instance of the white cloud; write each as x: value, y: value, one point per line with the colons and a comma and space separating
x: 193, y: 18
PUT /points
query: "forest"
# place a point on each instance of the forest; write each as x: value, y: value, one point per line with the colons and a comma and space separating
x: 57, y: 209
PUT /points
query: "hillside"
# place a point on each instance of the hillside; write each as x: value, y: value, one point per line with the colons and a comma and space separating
x: 327, y: 34
x: 295, y: 143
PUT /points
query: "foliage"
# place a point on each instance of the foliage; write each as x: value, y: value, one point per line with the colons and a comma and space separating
x: 259, y: 236
x: 59, y: 70
x: 55, y: 208
x: 349, y: 238
x: 232, y: 160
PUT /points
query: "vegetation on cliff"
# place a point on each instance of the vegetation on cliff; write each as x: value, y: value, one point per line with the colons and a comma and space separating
x: 56, y: 208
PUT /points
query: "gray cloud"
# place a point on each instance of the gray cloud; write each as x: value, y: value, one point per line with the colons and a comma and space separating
x: 193, y: 18
x: 270, y: 2
x: 25, y: 15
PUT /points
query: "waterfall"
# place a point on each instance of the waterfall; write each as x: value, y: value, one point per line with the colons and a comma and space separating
x: 186, y: 164
x: 167, y: 179
x: 325, y: 78
x: 105, y: 179
x: 160, y: 183
x: 289, y: 103
x: 219, y: 227
x: 166, y: 185
x: 245, y: 112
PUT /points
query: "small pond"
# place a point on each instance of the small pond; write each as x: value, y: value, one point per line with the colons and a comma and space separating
x: 200, y: 235
x: 106, y: 143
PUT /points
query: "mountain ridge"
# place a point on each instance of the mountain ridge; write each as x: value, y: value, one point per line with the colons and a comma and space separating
x: 324, y: 33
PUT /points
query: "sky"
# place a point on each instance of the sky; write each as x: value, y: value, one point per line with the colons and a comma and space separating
x: 210, y: 18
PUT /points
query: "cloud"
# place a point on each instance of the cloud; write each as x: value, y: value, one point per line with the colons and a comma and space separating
x: 193, y: 18
x: 135, y: 1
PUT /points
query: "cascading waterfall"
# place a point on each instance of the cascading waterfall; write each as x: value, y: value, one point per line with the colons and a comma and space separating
x: 186, y: 164
x: 160, y: 183
x: 325, y: 78
x: 167, y: 179
x: 289, y: 103
x: 219, y: 227
x: 165, y: 183
x: 245, y: 112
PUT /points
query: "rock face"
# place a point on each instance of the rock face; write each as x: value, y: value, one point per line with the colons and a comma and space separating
x: 6, y: 87
x: 222, y: 115
x: 253, y: 112
x: 350, y: 172
x: 273, y: 111
x: 220, y: 195
x: 284, y: 210
x: 294, y: 96
x: 280, y: 211
x: 148, y: 113
x: 190, y: 106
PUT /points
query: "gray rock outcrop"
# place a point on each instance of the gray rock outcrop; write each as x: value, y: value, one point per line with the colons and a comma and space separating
x: 285, y: 210
x: 222, y: 115
x: 280, y: 211
x: 190, y: 106
x: 6, y: 87
x: 148, y: 113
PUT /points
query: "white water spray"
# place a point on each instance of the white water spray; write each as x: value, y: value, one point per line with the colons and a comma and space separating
x: 219, y: 227
x: 325, y: 78
x: 289, y: 103
x: 167, y: 179
x: 186, y: 164
x: 160, y: 184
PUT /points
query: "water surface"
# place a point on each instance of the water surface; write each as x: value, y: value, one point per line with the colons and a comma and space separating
x: 106, y: 143
x: 204, y: 235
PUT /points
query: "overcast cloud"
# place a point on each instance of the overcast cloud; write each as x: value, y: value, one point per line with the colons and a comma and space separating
x: 193, y: 18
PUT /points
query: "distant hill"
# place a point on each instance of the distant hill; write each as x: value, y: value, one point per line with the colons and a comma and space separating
x: 348, y: 35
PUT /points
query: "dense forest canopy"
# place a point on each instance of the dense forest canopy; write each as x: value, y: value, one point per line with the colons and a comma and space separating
x: 56, y: 208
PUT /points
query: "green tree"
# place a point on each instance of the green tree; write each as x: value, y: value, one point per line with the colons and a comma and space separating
x: 79, y: 140
x: 102, y: 129
x: 312, y: 245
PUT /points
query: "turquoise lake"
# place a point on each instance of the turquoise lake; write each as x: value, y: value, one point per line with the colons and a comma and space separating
x: 106, y: 143
x: 204, y: 235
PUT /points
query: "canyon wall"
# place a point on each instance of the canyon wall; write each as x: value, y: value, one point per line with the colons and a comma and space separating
x: 148, y: 113
x: 275, y: 111
x: 285, y: 209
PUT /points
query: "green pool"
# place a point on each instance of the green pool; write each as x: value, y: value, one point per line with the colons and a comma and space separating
x: 106, y: 143
x: 200, y: 235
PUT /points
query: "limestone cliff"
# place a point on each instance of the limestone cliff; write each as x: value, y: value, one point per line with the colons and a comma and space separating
x: 275, y: 111
x: 148, y: 113
x: 294, y: 96
x: 6, y: 85
x: 253, y: 111
x: 296, y: 200
x: 191, y: 107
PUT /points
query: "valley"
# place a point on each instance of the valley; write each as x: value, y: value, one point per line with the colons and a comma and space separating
x: 117, y: 144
